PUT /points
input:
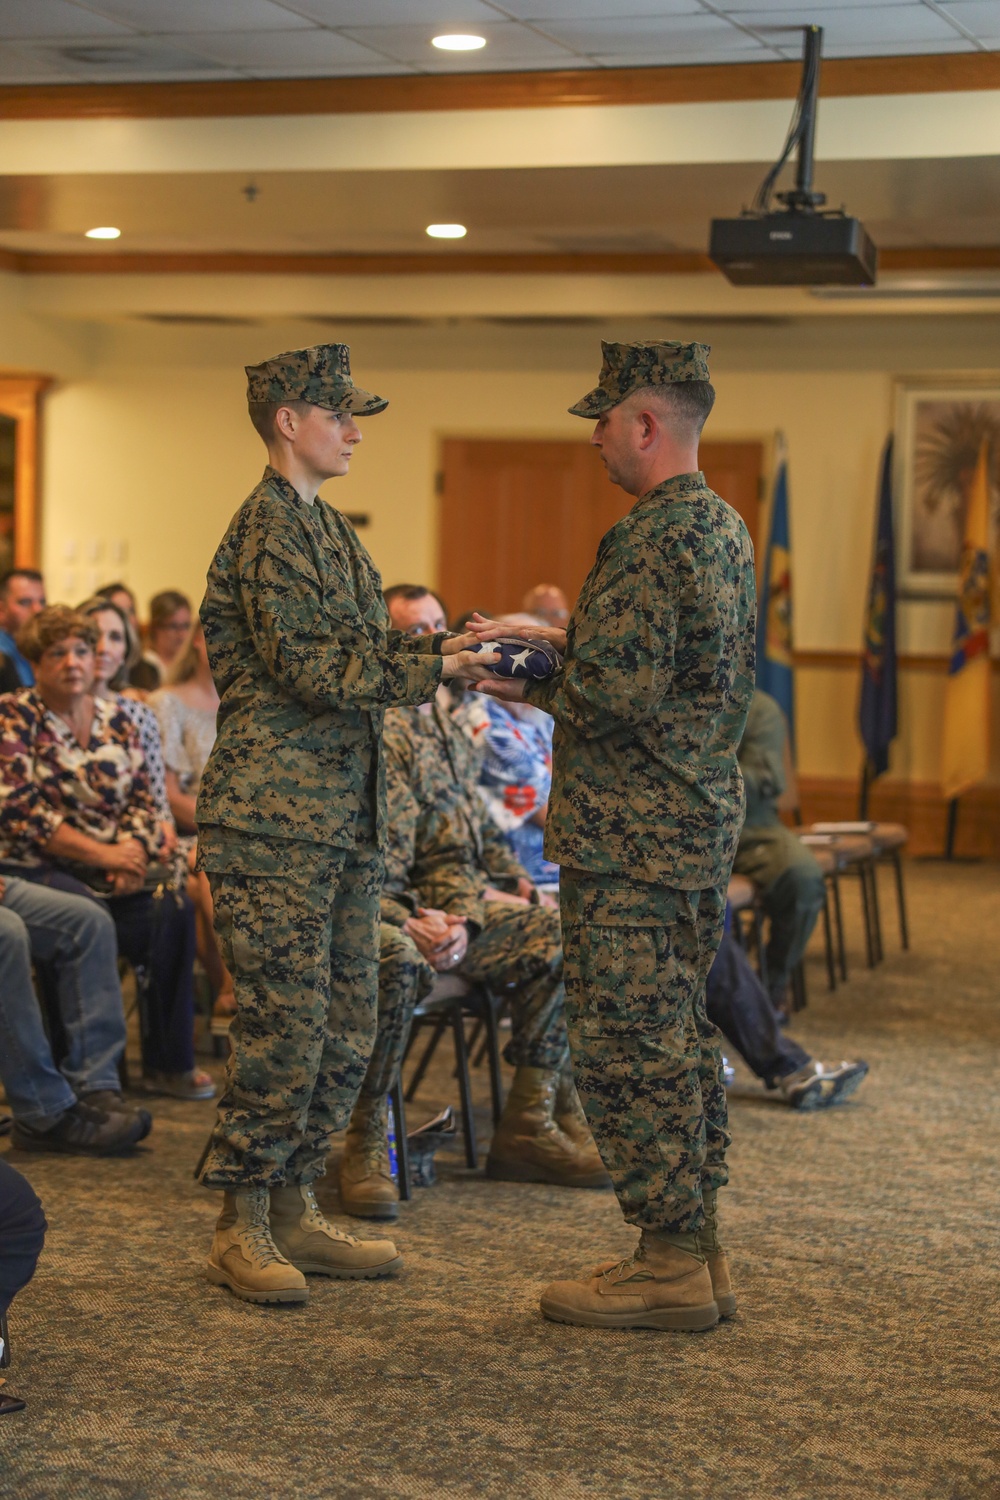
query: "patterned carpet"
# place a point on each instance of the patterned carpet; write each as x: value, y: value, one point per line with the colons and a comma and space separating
x: 862, y: 1363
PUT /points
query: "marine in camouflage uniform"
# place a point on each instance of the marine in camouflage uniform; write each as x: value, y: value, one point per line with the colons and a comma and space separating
x: 644, y: 817
x: 443, y: 852
x: 291, y: 817
x: 782, y: 868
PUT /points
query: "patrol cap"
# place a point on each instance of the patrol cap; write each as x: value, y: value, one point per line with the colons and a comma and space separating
x: 320, y: 375
x: 628, y: 367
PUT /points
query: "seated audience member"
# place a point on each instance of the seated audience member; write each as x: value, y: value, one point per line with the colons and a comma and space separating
x: 22, y: 1235
x: 22, y: 595
x: 548, y: 602
x: 187, y: 709
x: 783, y: 870
x: 116, y: 651
x: 740, y: 1006
x: 514, y: 741
x: 168, y: 629
x: 76, y: 813
x: 445, y: 857
x: 76, y: 1107
x: 121, y: 596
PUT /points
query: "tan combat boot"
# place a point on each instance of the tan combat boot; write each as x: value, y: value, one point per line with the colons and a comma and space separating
x: 245, y: 1258
x: 665, y: 1285
x: 715, y: 1256
x: 569, y: 1116
x: 312, y: 1244
x: 366, y: 1186
x: 528, y: 1145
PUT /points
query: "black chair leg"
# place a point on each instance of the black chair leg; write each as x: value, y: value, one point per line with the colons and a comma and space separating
x: 904, y: 930
x: 839, y: 921
x: 800, y: 998
x: 831, y: 963
x: 5, y: 1335
x: 758, y: 933
x: 872, y: 868
x: 403, y: 1180
x: 492, y: 1042
x: 464, y: 1086
x: 424, y: 1063
x: 861, y: 870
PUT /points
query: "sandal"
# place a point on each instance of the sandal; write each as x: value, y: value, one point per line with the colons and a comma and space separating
x: 196, y: 1084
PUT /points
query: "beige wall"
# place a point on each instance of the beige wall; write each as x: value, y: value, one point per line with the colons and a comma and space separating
x: 147, y: 452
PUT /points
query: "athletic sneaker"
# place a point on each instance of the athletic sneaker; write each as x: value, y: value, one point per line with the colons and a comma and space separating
x: 80, y: 1131
x: 818, y: 1085
x: 113, y: 1102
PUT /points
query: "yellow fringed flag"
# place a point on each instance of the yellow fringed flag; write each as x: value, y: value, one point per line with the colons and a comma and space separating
x: 965, y: 751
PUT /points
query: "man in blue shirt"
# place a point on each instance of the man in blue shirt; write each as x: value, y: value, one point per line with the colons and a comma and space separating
x: 22, y: 595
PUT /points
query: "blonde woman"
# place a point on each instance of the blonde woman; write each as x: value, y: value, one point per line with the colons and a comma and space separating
x: 186, y: 709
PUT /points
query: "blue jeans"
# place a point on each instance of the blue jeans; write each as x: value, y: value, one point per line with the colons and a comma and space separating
x: 74, y: 939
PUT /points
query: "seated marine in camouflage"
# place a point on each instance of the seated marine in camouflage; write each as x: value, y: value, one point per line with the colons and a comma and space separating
x: 456, y: 900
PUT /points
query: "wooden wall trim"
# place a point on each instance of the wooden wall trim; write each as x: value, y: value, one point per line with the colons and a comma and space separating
x: 20, y: 396
x: 444, y: 262
x: 917, y: 804
x: 850, y: 661
x: 841, y: 77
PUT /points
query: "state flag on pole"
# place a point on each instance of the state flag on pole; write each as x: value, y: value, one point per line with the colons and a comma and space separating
x: 965, y: 750
x: 877, y: 715
x: 774, y: 616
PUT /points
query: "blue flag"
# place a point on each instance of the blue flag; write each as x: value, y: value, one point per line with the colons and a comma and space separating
x: 774, y: 613
x: 877, y: 712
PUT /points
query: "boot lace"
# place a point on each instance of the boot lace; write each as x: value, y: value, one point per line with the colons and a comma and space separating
x: 257, y: 1234
x: 318, y: 1221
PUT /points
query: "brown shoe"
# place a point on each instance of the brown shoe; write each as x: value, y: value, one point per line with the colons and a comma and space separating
x: 661, y: 1287
x: 718, y: 1262
x: 244, y: 1256
x: 569, y: 1116
x: 366, y: 1187
x: 312, y: 1244
x: 528, y: 1145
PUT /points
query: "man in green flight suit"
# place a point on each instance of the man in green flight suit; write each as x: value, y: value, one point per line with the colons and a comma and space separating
x: 291, y: 821
x: 644, y: 816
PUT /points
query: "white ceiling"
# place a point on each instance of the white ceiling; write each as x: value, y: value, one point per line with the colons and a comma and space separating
x: 104, y: 41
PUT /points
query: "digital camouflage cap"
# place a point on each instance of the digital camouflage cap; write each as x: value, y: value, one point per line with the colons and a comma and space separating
x: 320, y: 375
x: 629, y: 367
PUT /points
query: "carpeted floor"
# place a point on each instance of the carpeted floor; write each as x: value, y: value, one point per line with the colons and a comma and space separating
x: 862, y: 1364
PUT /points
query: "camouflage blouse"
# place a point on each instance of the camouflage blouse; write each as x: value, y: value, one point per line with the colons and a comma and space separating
x: 47, y: 778
x: 305, y: 662
x: 653, y: 694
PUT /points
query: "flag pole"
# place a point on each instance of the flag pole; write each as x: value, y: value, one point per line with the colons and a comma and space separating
x: 865, y: 784
x: 952, y: 825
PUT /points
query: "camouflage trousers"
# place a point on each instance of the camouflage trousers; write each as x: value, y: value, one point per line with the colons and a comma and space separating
x: 517, y: 953
x: 646, y: 1059
x: 297, y: 925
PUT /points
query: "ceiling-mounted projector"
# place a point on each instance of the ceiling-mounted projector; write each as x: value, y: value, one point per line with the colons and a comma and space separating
x: 798, y: 245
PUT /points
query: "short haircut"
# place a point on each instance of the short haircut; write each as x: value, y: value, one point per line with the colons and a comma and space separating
x: 7, y: 578
x: 162, y: 606
x: 97, y: 605
x: 263, y: 413
x: 688, y: 402
x: 50, y: 626
x: 412, y: 591
x: 107, y: 589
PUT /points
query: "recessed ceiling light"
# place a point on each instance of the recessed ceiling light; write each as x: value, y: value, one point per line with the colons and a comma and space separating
x: 105, y: 233
x: 459, y: 43
x: 447, y: 231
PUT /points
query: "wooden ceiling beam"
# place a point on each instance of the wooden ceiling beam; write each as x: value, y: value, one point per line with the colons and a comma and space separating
x: 842, y: 77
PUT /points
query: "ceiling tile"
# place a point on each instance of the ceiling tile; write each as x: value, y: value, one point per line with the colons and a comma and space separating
x: 859, y: 27
x: 124, y: 59
x: 439, y: 14
x: 194, y: 15
x: 803, y: 8
x: 597, y: 10
x: 43, y: 18
x: 664, y: 57
x: 981, y: 17
x: 323, y: 51
x: 637, y: 35
x: 900, y: 49
x: 506, y: 43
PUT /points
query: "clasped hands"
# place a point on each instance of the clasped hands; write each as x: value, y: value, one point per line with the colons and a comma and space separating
x: 441, y: 937
x: 126, y: 864
x: 480, y: 629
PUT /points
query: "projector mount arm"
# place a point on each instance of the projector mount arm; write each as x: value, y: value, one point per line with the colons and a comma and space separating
x: 800, y: 138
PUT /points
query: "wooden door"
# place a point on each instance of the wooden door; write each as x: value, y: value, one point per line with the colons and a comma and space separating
x: 515, y: 513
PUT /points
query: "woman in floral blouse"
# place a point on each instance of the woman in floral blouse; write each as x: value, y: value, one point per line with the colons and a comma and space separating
x: 76, y: 811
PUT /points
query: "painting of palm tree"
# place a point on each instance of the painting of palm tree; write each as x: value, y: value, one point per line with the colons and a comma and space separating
x: 947, y: 435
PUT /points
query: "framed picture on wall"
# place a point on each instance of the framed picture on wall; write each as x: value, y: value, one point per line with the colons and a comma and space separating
x: 940, y: 428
